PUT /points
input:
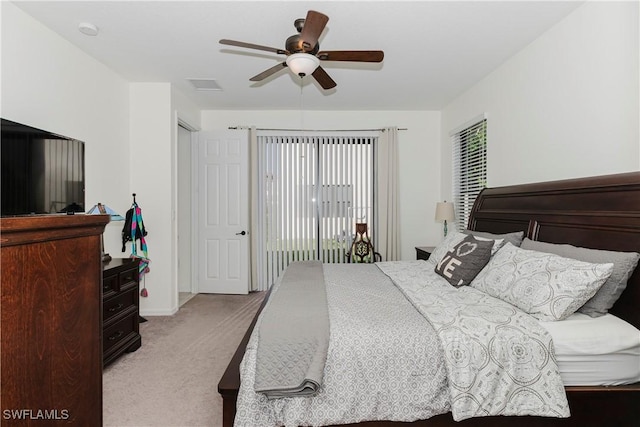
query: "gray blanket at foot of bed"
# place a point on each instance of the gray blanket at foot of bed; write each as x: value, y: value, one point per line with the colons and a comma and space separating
x: 294, y: 334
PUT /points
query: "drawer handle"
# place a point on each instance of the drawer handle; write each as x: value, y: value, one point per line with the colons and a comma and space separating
x: 116, y: 308
x: 116, y: 336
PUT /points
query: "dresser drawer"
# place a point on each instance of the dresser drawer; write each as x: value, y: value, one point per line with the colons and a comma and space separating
x: 128, y: 278
x: 110, y: 286
x: 120, y: 332
x: 119, y: 304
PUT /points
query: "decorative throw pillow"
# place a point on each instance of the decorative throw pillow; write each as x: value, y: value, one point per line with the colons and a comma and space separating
x: 623, y: 265
x: 452, y: 239
x: 461, y: 264
x: 547, y: 286
x: 514, y: 238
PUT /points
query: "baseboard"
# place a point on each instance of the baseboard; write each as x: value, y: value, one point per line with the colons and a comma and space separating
x: 169, y: 312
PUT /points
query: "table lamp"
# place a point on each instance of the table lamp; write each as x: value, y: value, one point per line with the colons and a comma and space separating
x: 100, y: 209
x: 444, y: 212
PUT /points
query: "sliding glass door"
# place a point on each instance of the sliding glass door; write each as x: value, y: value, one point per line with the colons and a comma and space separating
x: 313, y: 190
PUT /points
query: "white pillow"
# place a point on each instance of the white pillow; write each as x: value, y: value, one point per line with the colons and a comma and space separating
x: 624, y: 263
x: 547, y: 286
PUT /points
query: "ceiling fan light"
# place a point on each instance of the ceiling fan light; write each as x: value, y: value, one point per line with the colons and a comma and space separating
x: 302, y: 64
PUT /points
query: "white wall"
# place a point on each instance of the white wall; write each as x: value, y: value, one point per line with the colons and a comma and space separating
x: 155, y: 109
x: 151, y: 180
x: 50, y: 84
x: 418, y: 156
x: 567, y: 106
x: 129, y: 130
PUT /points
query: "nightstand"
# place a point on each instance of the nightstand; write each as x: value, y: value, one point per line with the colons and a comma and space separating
x: 424, y: 252
x: 120, y: 312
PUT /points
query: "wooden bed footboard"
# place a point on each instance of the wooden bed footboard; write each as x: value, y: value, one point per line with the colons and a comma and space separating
x: 229, y: 384
x: 599, y: 212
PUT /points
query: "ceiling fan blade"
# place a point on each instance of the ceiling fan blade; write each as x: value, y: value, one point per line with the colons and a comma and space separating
x: 314, y: 24
x: 351, y: 55
x: 266, y: 73
x: 323, y: 78
x: 253, y: 46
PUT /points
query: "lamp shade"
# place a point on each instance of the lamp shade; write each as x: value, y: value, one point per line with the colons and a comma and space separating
x: 302, y: 63
x: 444, y: 211
x: 104, y: 209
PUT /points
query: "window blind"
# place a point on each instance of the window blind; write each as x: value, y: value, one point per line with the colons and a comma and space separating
x: 469, y: 168
x: 312, y: 192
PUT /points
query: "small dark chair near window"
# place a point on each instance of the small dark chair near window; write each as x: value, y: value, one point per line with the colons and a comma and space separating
x: 362, y: 250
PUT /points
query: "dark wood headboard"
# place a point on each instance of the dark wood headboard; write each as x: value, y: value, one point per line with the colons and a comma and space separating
x: 601, y: 212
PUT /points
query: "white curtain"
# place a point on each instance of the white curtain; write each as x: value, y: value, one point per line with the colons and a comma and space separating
x: 387, y: 241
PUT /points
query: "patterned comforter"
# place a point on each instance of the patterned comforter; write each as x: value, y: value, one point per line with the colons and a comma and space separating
x: 500, y: 360
x: 405, y: 345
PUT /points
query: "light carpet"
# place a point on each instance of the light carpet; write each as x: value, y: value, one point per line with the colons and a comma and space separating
x: 172, y: 380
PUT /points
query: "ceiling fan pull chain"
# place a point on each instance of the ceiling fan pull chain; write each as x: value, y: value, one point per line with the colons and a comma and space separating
x: 301, y: 107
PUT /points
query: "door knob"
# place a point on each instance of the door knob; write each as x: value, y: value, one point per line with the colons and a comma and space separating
x: 242, y: 233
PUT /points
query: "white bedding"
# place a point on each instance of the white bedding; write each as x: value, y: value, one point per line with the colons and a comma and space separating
x: 383, y: 361
x: 386, y: 362
x: 592, y: 351
x: 596, y: 350
x: 372, y: 323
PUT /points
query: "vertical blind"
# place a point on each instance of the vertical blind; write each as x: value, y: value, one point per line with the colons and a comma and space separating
x: 469, y: 168
x: 63, y: 172
x: 312, y: 191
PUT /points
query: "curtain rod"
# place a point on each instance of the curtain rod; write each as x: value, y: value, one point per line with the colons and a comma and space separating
x: 312, y: 130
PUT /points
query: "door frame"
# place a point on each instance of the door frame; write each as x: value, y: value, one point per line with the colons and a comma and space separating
x: 193, y: 131
x: 194, y: 210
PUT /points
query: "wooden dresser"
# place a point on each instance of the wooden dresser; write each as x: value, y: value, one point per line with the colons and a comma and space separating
x: 50, y: 309
x: 120, y: 313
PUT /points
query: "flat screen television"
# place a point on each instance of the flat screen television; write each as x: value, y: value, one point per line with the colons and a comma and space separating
x: 42, y: 172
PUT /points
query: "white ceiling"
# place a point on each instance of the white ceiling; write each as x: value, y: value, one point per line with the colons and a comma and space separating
x: 434, y: 50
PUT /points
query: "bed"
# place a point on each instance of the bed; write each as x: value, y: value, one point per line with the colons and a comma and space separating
x: 599, y: 212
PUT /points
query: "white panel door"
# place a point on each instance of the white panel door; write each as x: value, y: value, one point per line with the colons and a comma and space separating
x: 223, y: 212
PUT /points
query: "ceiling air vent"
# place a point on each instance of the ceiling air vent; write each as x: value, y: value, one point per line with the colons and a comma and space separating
x: 205, y: 84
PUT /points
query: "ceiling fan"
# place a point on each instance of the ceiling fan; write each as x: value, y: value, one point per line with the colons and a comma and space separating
x: 304, y: 54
